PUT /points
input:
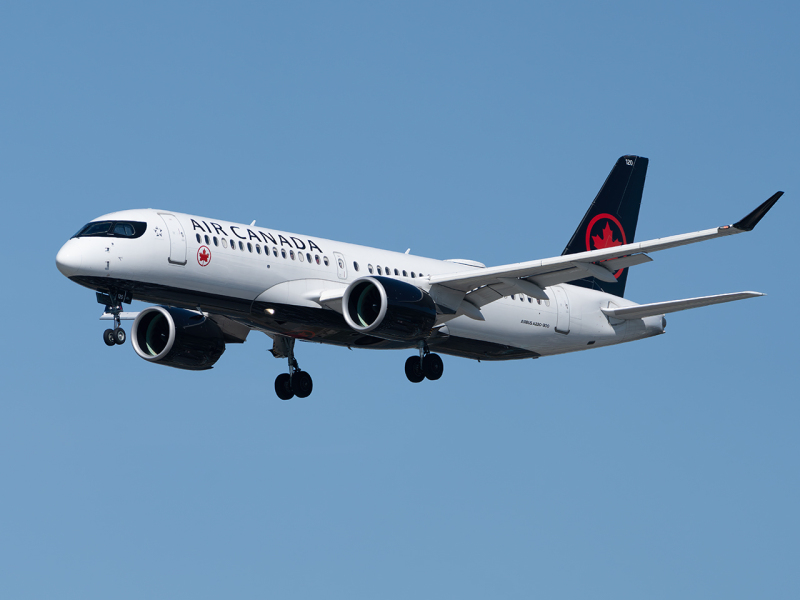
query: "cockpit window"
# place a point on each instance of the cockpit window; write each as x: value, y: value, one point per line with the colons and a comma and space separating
x: 124, y: 230
x: 120, y: 229
x: 99, y: 228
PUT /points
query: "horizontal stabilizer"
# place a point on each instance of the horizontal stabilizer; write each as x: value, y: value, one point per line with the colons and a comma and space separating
x: 660, y: 308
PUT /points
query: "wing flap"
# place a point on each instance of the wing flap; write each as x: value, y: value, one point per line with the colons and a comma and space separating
x: 660, y: 308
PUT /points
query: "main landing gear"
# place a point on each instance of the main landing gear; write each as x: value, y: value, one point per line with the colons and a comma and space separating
x: 425, y: 365
x: 113, y: 303
x: 295, y: 382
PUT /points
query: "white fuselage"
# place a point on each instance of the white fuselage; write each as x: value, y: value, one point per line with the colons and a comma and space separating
x: 208, y: 264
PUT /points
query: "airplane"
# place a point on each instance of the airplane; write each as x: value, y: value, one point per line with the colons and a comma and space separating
x: 214, y: 281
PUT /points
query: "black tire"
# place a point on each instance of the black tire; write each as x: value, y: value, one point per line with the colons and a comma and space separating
x: 432, y: 366
x: 119, y: 336
x: 414, y: 369
x: 108, y: 337
x: 283, y: 387
x: 302, y: 384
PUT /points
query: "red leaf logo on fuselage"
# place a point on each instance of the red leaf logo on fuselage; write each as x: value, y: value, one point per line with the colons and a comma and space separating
x: 203, y: 256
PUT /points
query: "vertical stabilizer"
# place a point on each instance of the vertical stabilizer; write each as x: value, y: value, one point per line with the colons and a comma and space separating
x: 611, y: 219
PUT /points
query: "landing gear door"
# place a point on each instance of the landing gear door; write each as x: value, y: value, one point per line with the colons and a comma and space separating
x: 177, y: 239
x: 562, y: 304
x: 341, y: 265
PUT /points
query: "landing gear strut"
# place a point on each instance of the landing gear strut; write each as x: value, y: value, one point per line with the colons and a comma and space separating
x: 425, y: 365
x: 295, y: 382
x: 113, y: 303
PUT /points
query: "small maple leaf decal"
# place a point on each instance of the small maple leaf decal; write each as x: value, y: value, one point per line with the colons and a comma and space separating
x: 607, y: 241
x: 204, y: 257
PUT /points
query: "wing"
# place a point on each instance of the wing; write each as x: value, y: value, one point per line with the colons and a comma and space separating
x: 482, y: 286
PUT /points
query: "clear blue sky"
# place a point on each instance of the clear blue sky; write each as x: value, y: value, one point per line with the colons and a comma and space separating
x: 667, y: 468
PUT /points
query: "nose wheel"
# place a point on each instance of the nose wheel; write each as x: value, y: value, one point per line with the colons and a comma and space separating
x: 426, y: 365
x: 114, y: 336
x: 296, y: 382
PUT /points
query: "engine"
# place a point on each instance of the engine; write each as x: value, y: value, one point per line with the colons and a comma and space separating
x: 389, y: 309
x: 177, y: 338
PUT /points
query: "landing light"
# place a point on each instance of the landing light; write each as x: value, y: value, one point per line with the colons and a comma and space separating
x: 269, y: 311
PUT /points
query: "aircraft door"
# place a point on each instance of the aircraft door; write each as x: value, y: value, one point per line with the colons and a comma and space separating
x: 177, y: 239
x: 562, y: 304
x: 341, y: 265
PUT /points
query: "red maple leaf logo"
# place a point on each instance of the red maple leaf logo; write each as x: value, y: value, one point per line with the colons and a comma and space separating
x: 607, y: 241
x: 203, y: 256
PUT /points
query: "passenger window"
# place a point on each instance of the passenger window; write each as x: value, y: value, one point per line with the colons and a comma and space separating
x: 530, y: 300
x: 308, y: 257
x: 224, y: 243
x: 197, y: 235
x: 412, y: 275
x: 241, y: 246
x: 379, y: 270
x: 325, y: 260
x: 291, y: 254
x: 512, y: 297
x: 249, y: 247
x: 521, y: 298
x: 369, y: 268
x: 216, y: 241
x: 300, y: 256
x: 274, y: 252
x: 404, y: 273
x: 283, y: 252
x: 316, y: 258
x: 387, y: 270
x: 355, y: 265
x: 258, y: 249
x: 396, y: 272
x: 205, y: 237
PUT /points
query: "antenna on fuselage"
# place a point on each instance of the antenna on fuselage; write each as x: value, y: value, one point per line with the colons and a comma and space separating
x: 253, y: 223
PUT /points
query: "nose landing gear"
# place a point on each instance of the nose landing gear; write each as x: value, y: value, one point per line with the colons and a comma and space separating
x: 113, y: 303
x: 295, y: 382
x: 426, y: 365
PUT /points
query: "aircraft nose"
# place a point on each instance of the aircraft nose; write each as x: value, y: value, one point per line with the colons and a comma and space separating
x: 68, y: 259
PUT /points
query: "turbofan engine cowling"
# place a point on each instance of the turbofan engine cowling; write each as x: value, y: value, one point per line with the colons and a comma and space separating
x: 177, y: 338
x: 389, y: 309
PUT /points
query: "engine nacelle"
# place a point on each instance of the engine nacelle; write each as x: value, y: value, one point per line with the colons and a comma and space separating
x: 177, y: 338
x: 389, y: 309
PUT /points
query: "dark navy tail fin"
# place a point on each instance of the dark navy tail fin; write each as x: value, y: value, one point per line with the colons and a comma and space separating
x: 611, y: 219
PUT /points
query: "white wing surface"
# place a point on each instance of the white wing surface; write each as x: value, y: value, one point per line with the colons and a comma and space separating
x: 482, y: 286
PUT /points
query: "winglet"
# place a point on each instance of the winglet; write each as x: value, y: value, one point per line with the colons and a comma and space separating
x: 751, y: 220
